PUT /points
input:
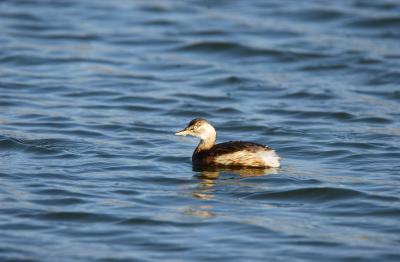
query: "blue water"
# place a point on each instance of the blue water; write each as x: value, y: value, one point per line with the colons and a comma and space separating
x: 91, y: 93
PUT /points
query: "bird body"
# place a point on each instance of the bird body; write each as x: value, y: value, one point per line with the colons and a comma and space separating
x: 232, y: 154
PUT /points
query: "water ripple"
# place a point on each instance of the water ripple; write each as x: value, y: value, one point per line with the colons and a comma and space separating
x: 309, y: 194
x: 93, y: 91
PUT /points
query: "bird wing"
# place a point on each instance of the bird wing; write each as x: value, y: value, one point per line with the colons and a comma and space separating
x: 234, y: 146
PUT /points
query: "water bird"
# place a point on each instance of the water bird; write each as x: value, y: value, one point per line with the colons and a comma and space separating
x: 229, y: 154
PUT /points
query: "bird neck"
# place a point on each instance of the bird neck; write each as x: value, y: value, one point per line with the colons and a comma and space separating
x: 206, y: 144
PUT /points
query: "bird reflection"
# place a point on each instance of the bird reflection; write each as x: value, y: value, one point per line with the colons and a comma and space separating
x: 208, y: 177
x: 214, y: 172
x: 200, y: 211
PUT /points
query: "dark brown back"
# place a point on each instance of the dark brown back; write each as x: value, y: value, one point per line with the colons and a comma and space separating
x: 234, y: 146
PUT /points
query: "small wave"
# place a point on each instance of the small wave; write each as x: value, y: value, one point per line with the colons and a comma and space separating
x: 27, y: 59
x: 160, y: 22
x: 334, y: 153
x: 99, y: 93
x: 239, y: 50
x: 239, y: 127
x: 23, y: 16
x: 380, y: 22
x: 12, y: 85
x: 143, y: 100
x: 313, y: 14
x: 353, y: 145
x: 61, y: 192
x: 206, y: 32
x: 137, y: 108
x: 41, y: 117
x: 311, y: 114
x: 22, y: 226
x: 223, y: 47
x: 158, y: 43
x: 385, y: 78
x: 309, y: 194
x: 392, y: 95
x: 56, y: 36
x: 59, y: 201
x: 373, y: 120
x: 241, y: 82
x: 156, y: 222
x: 172, y: 159
x: 154, y: 8
x: 334, y: 115
x: 206, y: 98
x: 76, y: 216
x: 8, y: 143
x: 325, y: 67
x: 128, y: 192
x: 187, y: 113
x: 229, y: 111
x: 45, y: 124
x: 52, y: 146
x: 31, y: 27
x: 308, y: 95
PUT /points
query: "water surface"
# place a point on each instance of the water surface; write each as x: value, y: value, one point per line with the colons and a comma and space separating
x: 91, y: 93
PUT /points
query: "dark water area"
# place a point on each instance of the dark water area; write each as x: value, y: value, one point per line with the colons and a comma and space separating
x: 91, y: 93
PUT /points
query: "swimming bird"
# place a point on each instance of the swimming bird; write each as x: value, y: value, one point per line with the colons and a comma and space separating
x: 229, y: 154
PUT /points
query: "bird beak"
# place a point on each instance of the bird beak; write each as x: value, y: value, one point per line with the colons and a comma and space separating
x: 183, y: 132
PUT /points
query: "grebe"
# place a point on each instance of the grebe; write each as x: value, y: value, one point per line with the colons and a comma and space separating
x: 230, y: 154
